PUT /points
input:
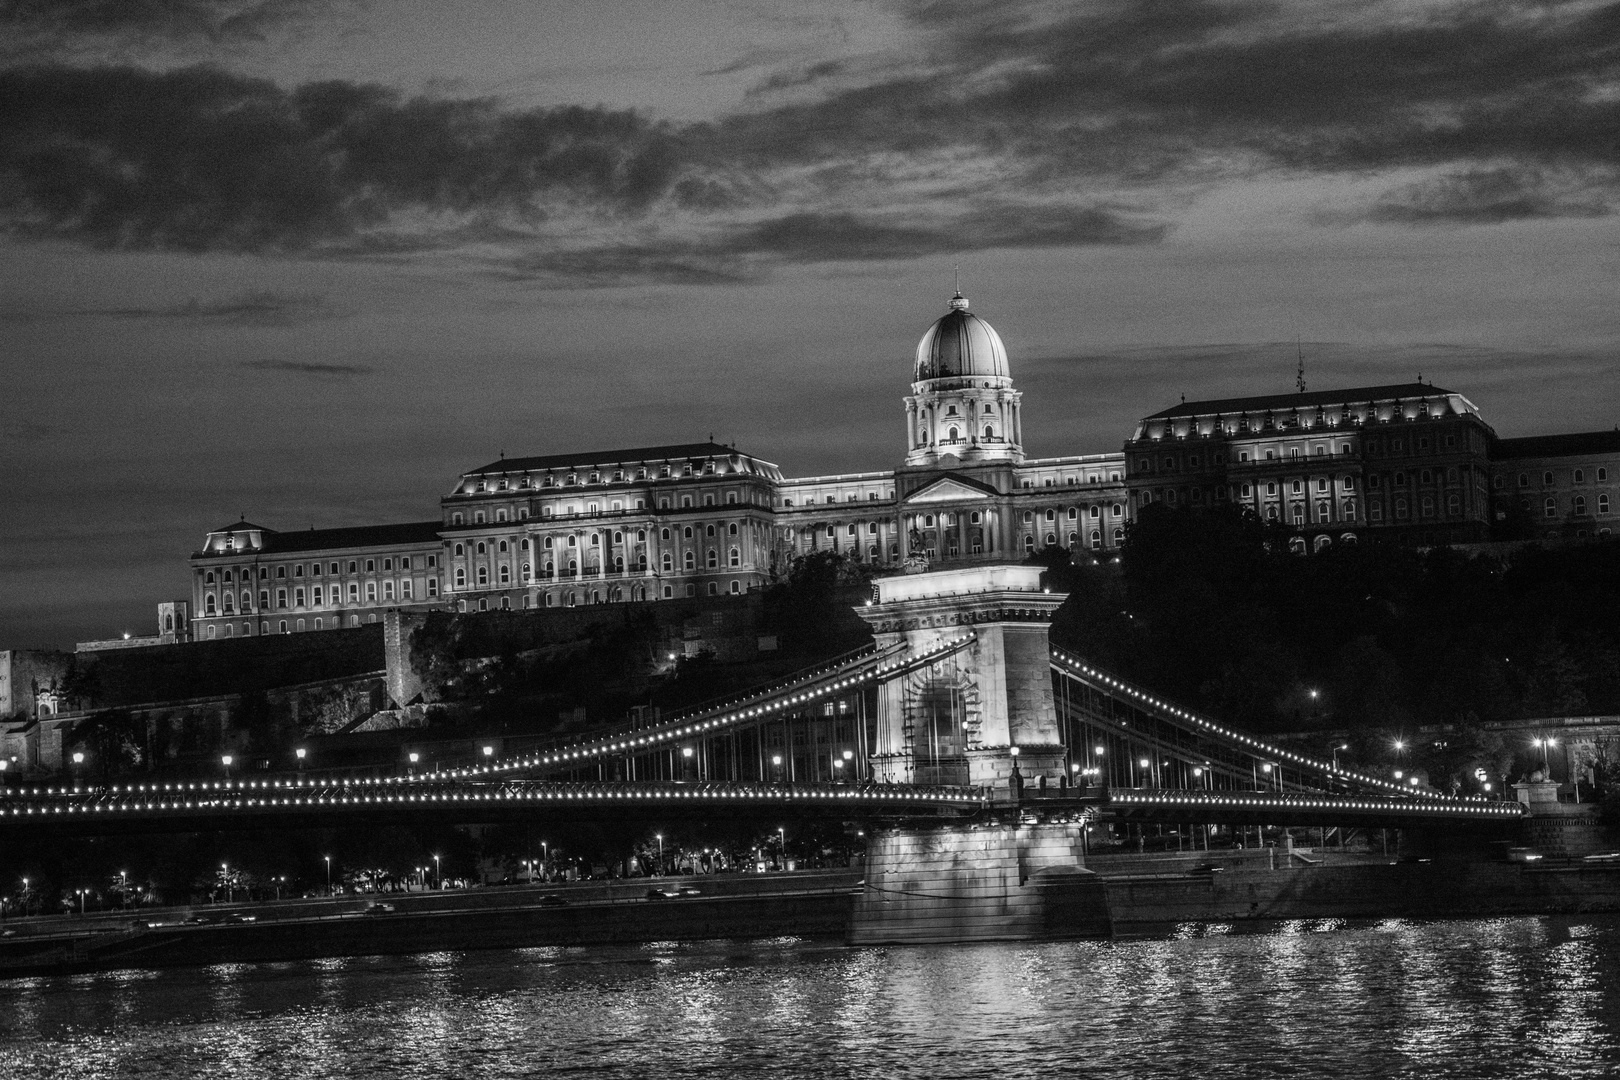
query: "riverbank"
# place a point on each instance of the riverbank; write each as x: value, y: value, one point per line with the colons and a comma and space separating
x: 807, y: 903
x: 1145, y: 895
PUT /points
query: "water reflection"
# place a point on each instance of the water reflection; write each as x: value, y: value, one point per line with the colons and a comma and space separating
x: 1393, y: 998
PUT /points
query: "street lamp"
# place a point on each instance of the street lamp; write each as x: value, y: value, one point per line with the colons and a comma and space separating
x: 225, y: 760
x: 660, y: 838
x: 781, y: 845
x: 438, y: 875
x: 545, y: 858
x: 300, y: 754
x: 225, y: 872
x: 328, y: 859
x: 1336, y: 749
x: 489, y: 752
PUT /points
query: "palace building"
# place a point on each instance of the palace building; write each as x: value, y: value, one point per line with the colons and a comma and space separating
x: 1411, y: 461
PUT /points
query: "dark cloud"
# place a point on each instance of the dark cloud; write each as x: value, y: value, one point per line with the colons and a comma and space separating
x: 306, y: 367
x: 266, y: 308
x: 1156, y: 91
x: 178, y: 20
x: 198, y: 159
x: 1488, y: 196
x: 821, y: 237
x: 1009, y: 126
x: 673, y: 263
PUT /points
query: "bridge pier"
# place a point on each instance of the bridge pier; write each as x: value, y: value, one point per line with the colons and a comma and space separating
x: 1006, y: 881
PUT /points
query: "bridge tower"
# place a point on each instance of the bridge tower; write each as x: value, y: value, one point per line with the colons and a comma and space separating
x: 976, y: 715
x: 981, y: 716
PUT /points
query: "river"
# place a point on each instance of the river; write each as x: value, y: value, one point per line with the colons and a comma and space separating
x: 1517, y: 997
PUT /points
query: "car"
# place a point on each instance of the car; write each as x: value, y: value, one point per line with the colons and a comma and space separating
x: 687, y: 890
x: 238, y: 917
x: 552, y: 900
x: 1603, y: 857
x: 380, y: 909
x: 662, y: 894
x: 1207, y: 868
x: 195, y: 920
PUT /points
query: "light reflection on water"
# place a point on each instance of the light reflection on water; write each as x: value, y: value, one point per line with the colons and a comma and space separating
x: 1530, y: 997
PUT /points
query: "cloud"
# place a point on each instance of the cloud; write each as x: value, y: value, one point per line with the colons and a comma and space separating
x: 1001, y: 125
x: 265, y: 308
x: 177, y: 20
x: 1489, y: 196
x: 306, y: 367
x: 198, y: 159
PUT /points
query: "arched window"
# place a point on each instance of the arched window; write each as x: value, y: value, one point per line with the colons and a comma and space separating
x: 1579, y: 505
x: 506, y: 574
x: 483, y: 575
x: 525, y: 571
x: 952, y: 435
x: 989, y: 432
x: 686, y: 533
x: 208, y: 604
x: 689, y: 560
x: 208, y: 578
x: 668, y: 563
x: 460, y: 551
x: 712, y: 559
x: 1603, y: 508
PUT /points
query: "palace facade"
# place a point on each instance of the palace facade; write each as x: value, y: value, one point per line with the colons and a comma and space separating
x: 1413, y: 461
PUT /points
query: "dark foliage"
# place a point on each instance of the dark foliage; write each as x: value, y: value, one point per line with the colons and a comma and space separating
x: 1209, y: 607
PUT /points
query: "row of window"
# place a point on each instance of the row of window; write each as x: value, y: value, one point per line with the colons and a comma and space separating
x: 596, y: 476
x: 283, y: 626
x: 296, y: 570
x: 1548, y: 478
x: 1095, y: 540
x: 1400, y: 507
x: 314, y: 596
x: 592, y: 509
x: 1577, y: 505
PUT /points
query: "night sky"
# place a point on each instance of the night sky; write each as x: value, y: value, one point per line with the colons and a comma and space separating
x: 307, y: 261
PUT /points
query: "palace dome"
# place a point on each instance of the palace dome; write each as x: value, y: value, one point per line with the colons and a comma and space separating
x: 961, y: 345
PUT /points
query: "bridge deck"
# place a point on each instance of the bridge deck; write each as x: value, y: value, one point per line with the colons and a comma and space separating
x: 259, y: 805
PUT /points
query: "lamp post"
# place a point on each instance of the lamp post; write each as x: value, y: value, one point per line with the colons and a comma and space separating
x: 328, y: 859
x: 781, y: 846
x: 660, y: 838
x: 776, y: 767
x: 545, y: 859
x: 225, y: 760
x: 849, y: 756
x: 438, y: 875
x: 1336, y: 749
x: 415, y: 757
x: 225, y: 872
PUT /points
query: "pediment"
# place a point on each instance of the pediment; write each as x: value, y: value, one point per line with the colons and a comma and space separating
x: 951, y: 489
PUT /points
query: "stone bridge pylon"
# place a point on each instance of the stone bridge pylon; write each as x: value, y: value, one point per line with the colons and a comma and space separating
x: 975, y: 715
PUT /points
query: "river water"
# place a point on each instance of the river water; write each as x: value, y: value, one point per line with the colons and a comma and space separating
x: 1522, y: 997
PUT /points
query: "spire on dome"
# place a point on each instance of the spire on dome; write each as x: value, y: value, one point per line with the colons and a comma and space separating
x: 959, y: 302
